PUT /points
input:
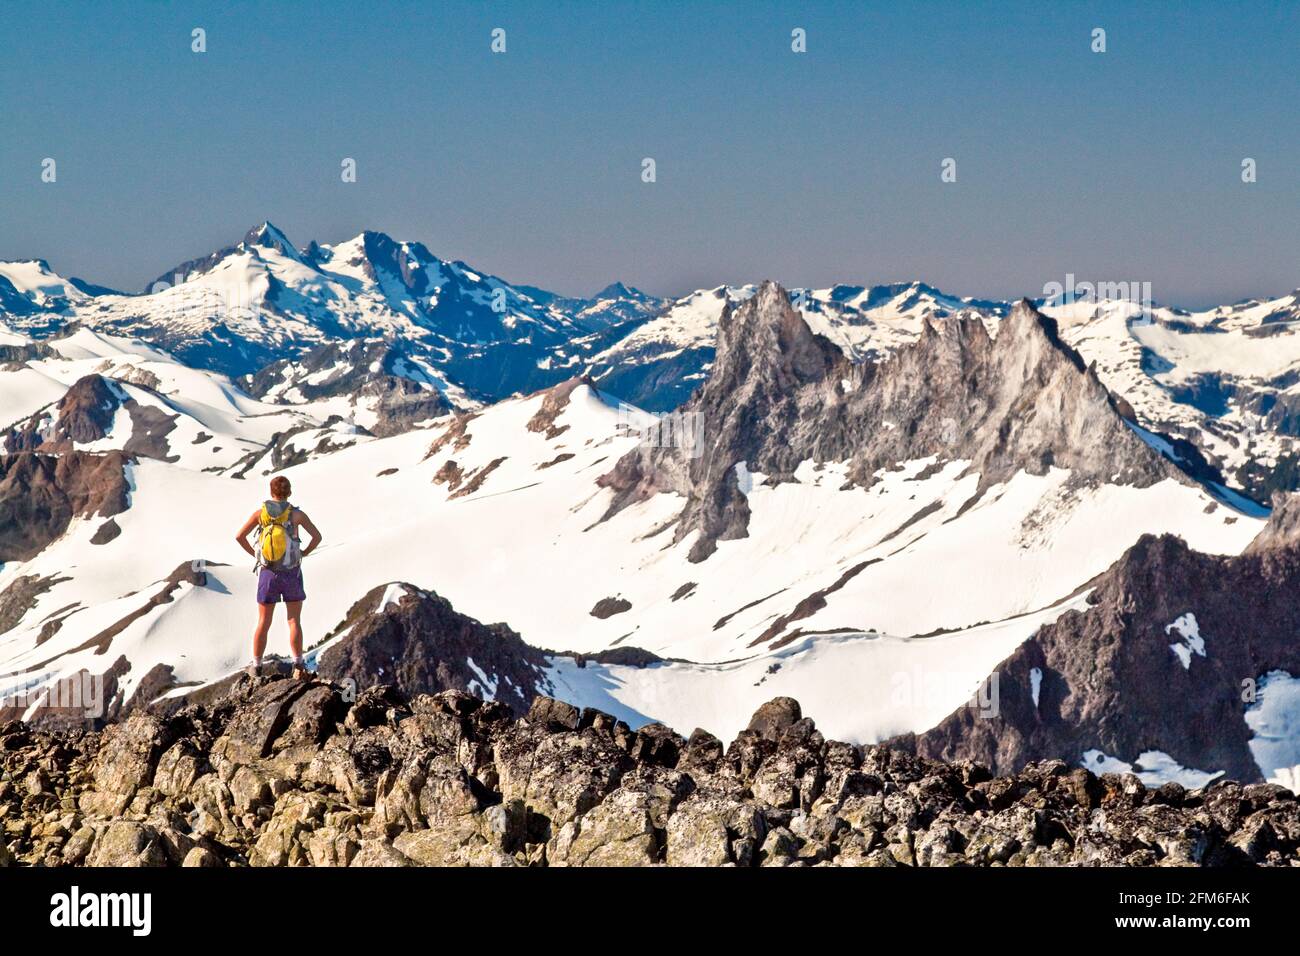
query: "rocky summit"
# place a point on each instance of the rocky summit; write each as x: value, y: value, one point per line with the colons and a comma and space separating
x: 290, y: 773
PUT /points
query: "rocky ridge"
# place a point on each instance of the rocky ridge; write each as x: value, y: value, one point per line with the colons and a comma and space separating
x: 1161, y: 660
x: 87, y: 413
x: 779, y: 394
x: 288, y: 773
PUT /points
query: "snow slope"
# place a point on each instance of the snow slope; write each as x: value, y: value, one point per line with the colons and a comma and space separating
x: 215, y: 423
x: 518, y: 539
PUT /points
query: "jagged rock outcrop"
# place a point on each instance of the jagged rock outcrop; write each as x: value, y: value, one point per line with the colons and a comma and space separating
x: 84, y: 414
x: 414, y: 639
x: 1163, y: 660
x: 779, y: 394
x: 16, y: 355
x: 288, y: 773
x: 41, y: 494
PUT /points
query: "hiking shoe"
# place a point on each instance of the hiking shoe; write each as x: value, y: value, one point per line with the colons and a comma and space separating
x: 254, y: 669
x: 300, y: 672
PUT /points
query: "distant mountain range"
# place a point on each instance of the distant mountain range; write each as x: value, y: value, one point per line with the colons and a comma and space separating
x: 1222, y: 384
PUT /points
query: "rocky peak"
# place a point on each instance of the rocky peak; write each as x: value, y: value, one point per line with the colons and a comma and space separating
x: 765, y: 348
x: 617, y: 290
x: 780, y: 394
x: 772, y: 377
x: 84, y: 414
x: 1021, y: 401
x: 405, y: 262
x: 267, y: 236
x: 87, y: 408
x: 88, y: 413
x: 263, y: 236
x: 414, y: 639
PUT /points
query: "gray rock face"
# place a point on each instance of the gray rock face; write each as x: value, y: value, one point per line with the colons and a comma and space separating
x: 84, y: 414
x: 1112, y: 678
x: 1283, y: 527
x: 40, y: 494
x: 778, y: 395
x: 280, y: 773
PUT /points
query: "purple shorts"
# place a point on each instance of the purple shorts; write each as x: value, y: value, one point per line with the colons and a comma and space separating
x: 274, y: 586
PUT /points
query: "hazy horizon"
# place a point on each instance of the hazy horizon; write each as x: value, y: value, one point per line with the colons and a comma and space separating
x: 810, y: 168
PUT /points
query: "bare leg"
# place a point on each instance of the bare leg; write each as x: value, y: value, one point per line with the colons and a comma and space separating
x: 295, y: 627
x: 264, y: 614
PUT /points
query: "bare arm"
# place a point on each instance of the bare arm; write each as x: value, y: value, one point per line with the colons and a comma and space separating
x: 242, y: 536
x: 305, y: 523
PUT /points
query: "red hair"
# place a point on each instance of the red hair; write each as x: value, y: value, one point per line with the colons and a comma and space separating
x: 280, y: 487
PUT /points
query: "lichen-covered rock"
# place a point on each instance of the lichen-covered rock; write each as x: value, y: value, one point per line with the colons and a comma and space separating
x: 125, y: 762
x: 379, y: 853
x: 618, y: 831
x: 126, y: 843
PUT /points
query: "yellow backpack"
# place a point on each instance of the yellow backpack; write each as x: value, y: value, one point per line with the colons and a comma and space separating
x: 277, y: 547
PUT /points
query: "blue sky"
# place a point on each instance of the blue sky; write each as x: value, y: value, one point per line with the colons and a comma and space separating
x: 809, y: 168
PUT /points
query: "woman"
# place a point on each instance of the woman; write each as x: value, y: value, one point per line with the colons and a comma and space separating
x: 279, y: 569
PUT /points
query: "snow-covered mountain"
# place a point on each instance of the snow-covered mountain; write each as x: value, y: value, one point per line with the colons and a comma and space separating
x: 88, y: 391
x: 870, y: 538
x: 260, y: 301
x: 1224, y: 380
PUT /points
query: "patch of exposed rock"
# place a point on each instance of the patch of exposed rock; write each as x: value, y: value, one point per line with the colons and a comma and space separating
x: 296, y: 445
x: 41, y: 494
x: 288, y: 773
x: 20, y: 596
x: 371, y: 373
x: 554, y: 401
x: 609, y: 606
x: 414, y: 639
